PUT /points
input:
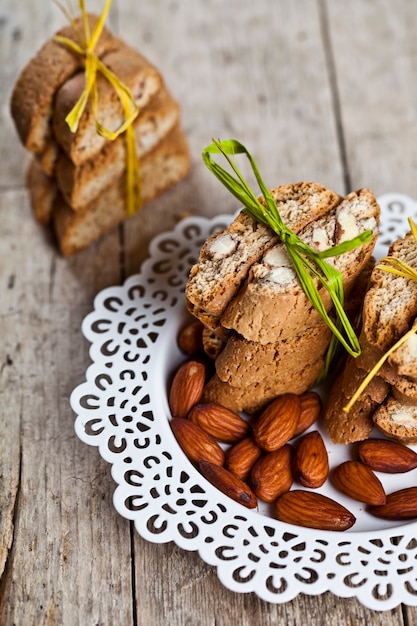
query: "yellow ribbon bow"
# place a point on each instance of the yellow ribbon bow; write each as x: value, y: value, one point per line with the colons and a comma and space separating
x: 399, y: 268
x: 94, y: 65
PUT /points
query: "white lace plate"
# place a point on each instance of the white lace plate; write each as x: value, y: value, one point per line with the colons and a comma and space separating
x: 122, y: 409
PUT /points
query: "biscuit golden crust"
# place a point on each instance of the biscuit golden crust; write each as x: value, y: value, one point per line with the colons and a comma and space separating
x: 389, y: 401
x: 227, y: 257
x: 31, y: 103
x: 162, y: 168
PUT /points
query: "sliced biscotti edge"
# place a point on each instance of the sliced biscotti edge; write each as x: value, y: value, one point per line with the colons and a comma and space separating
x: 390, y: 304
x: 226, y: 257
x: 80, y: 185
x: 271, y: 305
x: 161, y: 169
x: 31, y: 102
x: 397, y: 420
x: 134, y: 70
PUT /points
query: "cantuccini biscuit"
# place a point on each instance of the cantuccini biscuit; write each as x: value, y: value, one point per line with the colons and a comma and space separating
x: 42, y: 191
x: 161, y: 168
x: 33, y: 94
x: 253, y: 398
x: 142, y: 78
x: 243, y: 362
x: 272, y: 305
x: 226, y: 257
x: 249, y: 374
x: 389, y: 311
x: 80, y: 185
x: 390, y: 305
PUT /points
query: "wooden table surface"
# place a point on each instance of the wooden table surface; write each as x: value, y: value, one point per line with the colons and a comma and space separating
x: 321, y: 90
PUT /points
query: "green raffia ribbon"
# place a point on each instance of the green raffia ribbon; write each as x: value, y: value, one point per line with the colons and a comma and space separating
x: 308, y: 263
x: 400, y: 268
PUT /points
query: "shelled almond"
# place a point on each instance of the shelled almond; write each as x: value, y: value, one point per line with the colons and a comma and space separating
x: 277, y: 423
x: 220, y: 422
x: 313, y: 510
x: 310, y: 408
x: 311, y: 461
x: 186, y: 388
x: 229, y: 484
x: 241, y: 457
x: 358, y: 482
x: 390, y: 457
x: 196, y: 443
x: 190, y: 339
x: 272, y: 474
x: 265, y: 458
x: 400, y: 505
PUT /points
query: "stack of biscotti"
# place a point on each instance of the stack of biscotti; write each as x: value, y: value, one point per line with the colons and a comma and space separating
x: 389, y: 401
x: 265, y: 335
x: 77, y: 181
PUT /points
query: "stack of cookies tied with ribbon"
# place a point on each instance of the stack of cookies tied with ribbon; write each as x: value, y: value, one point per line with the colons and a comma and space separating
x: 378, y: 390
x: 279, y: 289
x: 103, y: 128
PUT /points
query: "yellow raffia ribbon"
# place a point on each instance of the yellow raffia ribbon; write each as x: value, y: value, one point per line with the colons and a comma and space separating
x: 396, y: 266
x: 94, y: 65
x: 376, y: 369
x: 399, y: 268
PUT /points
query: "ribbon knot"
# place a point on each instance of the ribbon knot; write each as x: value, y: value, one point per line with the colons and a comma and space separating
x: 289, y: 238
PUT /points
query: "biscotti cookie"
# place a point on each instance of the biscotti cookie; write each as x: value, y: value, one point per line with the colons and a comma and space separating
x: 243, y: 362
x: 142, y: 78
x: 404, y: 358
x: 80, y: 185
x: 42, y: 191
x: 389, y: 311
x: 163, y: 167
x: 357, y: 424
x: 214, y: 341
x: 253, y: 398
x: 33, y: 94
x: 390, y: 305
x: 226, y: 257
x: 272, y: 305
x: 397, y: 420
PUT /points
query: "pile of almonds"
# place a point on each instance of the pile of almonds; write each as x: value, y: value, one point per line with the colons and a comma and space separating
x: 265, y: 457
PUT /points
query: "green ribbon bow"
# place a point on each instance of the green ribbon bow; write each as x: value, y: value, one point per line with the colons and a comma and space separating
x: 309, y: 264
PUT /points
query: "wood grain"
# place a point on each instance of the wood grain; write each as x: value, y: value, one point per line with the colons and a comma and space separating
x: 317, y: 90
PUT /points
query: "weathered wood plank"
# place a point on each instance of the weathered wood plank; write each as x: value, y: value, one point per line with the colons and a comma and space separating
x: 260, y: 72
x: 57, y: 570
x: 375, y: 55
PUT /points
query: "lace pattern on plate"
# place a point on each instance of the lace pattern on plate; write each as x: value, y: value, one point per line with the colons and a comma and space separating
x: 122, y: 409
